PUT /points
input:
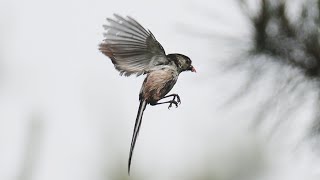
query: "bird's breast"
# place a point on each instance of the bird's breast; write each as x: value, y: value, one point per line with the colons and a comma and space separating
x: 157, y: 84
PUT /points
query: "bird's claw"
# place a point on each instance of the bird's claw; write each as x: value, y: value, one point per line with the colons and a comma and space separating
x: 178, y: 98
x: 173, y: 102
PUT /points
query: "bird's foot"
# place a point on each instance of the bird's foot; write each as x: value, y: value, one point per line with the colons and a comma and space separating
x: 178, y: 98
x: 173, y: 102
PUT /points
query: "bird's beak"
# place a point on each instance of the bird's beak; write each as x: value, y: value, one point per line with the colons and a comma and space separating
x: 193, y: 69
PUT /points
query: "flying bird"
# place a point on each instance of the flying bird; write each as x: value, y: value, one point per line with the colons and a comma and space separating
x: 134, y: 50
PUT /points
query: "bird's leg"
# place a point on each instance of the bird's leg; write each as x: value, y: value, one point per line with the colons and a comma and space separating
x: 170, y: 105
x: 174, y: 98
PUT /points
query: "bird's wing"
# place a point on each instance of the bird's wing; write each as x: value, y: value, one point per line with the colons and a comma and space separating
x: 132, y: 48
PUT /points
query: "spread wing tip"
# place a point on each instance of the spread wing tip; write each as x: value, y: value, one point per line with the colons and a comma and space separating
x: 104, y: 48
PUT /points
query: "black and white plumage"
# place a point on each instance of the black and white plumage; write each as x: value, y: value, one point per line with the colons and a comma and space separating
x: 134, y: 50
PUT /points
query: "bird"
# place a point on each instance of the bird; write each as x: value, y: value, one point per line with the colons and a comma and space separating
x: 135, y: 50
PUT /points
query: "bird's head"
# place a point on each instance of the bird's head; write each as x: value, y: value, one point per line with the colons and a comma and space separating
x: 182, y: 62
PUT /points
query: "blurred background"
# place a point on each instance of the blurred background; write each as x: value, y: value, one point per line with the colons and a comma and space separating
x: 250, y: 112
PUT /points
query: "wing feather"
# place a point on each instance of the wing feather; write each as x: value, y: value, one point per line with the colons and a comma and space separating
x: 131, y: 48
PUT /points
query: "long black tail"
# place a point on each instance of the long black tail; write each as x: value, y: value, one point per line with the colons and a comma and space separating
x: 136, y: 129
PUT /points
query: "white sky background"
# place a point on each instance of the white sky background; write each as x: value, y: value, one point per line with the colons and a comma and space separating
x: 53, y: 75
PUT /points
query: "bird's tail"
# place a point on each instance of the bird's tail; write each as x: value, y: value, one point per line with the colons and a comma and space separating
x: 136, y: 129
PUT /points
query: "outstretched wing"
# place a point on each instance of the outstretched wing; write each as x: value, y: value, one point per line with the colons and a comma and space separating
x: 132, y: 48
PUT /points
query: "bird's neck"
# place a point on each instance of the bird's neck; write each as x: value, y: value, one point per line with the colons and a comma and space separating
x: 176, y: 65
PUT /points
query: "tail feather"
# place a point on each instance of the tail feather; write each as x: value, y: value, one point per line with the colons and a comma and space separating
x: 136, y: 129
